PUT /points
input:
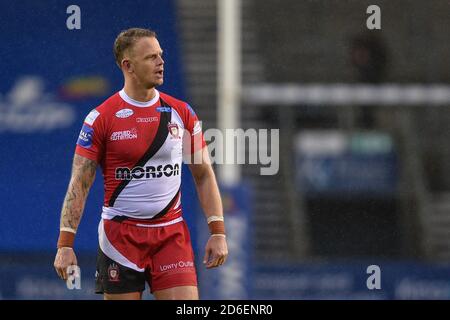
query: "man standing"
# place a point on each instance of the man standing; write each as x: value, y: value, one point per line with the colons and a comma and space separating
x: 139, y: 136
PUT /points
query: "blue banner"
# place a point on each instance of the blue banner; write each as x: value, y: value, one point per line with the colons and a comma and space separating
x: 349, y: 281
x: 51, y: 77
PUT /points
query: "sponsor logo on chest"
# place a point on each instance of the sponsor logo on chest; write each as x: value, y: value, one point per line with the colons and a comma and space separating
x: 147, y: 120
x: 124, y: 113
x: 124, y: 135
x: 148, y: 172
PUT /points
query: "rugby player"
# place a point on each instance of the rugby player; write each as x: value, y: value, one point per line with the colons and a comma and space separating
x: 139, y: 137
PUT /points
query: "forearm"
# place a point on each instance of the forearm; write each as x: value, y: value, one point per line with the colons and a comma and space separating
x: 83, y: 174
x: 216, y: 250
x: 209, y: 195
x: 73, y: 206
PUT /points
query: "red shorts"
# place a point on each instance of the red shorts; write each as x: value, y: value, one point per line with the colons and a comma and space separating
x: 134, y: 251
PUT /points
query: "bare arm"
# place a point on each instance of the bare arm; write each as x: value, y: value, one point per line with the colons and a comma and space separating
x: 216, y: 250
x: 206, y: 185
x: 83, y: 175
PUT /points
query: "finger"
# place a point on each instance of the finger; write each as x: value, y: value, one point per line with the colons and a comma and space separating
x: 64, y: 273
x: 56, y: 266
x: 68, y: 271
x: 225, y: 257
x: 211, y: 266
x: 207, y: 255
x: 59, y: 270
x: 222, y: 258
x: 213, y: 263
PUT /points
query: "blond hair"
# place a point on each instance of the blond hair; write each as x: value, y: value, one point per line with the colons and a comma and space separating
x: 126, y: 39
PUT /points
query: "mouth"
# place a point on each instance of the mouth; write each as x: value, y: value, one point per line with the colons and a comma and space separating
x: 160, y: 73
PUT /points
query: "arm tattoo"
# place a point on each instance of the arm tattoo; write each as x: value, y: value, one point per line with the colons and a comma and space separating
x: 83, y: 174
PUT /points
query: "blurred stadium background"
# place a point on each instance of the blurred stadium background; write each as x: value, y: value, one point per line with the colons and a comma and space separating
x: 364, y: 140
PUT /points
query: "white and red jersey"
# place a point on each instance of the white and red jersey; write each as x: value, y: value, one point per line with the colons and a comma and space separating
x: 139, y: 147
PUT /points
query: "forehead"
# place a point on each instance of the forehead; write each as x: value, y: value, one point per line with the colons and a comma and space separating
x: 146, y: 45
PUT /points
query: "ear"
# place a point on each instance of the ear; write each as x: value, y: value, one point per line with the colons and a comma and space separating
x: 127, y: 66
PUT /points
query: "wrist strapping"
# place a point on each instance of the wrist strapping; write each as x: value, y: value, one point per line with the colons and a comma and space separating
x: 66, y: 238
x: 218, y: 235
x: 214, y: 218
x: 216, y: 226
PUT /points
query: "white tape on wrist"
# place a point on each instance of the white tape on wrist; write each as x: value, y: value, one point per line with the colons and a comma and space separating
x: 218, y: 235
x: 68, y: 230
x: 214, y: 218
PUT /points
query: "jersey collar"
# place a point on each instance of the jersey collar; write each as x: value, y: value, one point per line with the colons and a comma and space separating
x: 136, y: 103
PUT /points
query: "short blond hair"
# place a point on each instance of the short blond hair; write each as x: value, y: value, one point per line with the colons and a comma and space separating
x: 126, y: 39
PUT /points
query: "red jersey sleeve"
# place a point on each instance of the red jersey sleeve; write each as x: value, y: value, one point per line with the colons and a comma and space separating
x: 194, y: 128
x: 91, y: 140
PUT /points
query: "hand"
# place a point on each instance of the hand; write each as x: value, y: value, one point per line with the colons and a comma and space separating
x: 65, y: 257
x: 216, y: 252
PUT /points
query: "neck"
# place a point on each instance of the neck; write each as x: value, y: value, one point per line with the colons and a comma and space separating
x: 139, y: 93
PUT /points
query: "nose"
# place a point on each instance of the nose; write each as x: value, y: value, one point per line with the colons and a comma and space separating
x: 161, y: 61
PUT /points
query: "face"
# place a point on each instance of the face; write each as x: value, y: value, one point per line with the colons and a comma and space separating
x: 145, y: 63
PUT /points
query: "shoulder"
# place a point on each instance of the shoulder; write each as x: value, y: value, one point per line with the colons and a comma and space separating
x: 106, y: 109
x: 171, y: 100
x: 182, y: 107
x: 110, y: 105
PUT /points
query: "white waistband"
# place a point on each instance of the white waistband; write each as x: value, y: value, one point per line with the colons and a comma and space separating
x: 164, y: 224
x: 168, y: 223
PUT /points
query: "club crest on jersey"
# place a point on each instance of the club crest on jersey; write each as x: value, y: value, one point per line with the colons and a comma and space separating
x: 174, y: 130
x: 113, y: 272
x: 124, y: 113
